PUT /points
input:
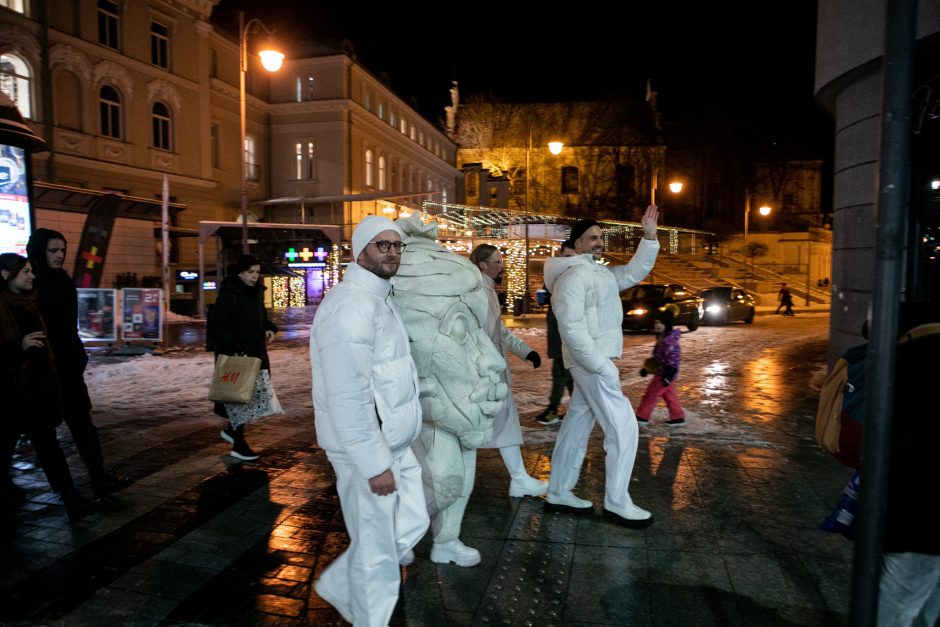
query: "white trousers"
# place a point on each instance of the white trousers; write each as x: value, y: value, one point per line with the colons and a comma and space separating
x: 367, y: 576
x: 597, y: 397
x: 909, y: 590
x: 448, y: 470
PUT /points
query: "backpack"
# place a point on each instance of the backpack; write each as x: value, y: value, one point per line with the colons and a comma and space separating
x: 842, y: 407
x: 842, y: 401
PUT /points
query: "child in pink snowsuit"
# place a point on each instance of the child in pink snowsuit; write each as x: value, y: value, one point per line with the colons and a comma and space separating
x: 667, y: 356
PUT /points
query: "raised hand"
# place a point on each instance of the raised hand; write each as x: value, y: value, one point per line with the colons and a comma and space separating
x: 649, y: 221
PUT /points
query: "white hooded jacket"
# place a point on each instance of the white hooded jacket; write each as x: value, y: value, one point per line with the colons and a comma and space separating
x: 586, y: 302
x: 365, y: 384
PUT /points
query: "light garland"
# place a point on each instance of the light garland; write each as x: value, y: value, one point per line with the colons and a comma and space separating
x: 280, y: 292
x: 297, y: 288
x: 514, y: 260
x: 332, y: 268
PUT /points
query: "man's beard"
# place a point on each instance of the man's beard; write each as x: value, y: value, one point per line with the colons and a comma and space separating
x: 498, y: 278
x: 376, y: 268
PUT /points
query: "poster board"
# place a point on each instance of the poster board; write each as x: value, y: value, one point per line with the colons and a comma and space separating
x: 96, y: 314
x: 15, y: 213
x: 142, y: 314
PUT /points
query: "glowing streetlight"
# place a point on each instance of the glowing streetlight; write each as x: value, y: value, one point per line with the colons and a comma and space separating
x: 554, y: 147
x: 764, y: 210
x: 675, y: 187
x: 271, y: 61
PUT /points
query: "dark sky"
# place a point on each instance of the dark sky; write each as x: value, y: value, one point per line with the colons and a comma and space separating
x: 753, y: 59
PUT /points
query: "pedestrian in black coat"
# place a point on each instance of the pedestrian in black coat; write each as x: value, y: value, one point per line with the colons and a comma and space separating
x: 57, y: 298
x: 238, y: 325
x: 29, y: 389
x: 561, y: 376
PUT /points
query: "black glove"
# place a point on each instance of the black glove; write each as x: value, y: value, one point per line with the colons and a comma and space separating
x: 643, y: 372
x: 668, y: 375
x: 534, y: 358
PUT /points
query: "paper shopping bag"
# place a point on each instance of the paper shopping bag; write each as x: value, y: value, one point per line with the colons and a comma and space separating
x: 234, y: 378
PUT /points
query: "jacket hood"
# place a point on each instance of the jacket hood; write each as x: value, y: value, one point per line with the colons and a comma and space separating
x: 36, y: 250
x: 557, y: 265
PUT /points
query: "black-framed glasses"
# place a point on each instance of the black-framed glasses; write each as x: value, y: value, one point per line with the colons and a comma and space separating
x: 385, y: 245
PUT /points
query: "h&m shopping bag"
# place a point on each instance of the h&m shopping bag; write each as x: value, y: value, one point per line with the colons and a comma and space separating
x: 233, y: 380
x: 263, y: 403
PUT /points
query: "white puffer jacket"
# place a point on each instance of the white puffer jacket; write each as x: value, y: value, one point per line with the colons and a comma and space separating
x: 363, y: 372
x: 586, y: 302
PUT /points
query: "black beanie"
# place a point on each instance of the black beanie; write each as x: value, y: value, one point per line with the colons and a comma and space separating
x: 580, y: 227
x: 667, y: 316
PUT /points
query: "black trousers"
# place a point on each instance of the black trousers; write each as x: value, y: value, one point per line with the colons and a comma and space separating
x: 561, y: 380
x: 78, y: 418
x: 50, y: 455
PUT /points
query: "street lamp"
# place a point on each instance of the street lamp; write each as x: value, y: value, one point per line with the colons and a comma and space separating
x: 764, y: 210
x: 271, y: 60
x: 554, y: 147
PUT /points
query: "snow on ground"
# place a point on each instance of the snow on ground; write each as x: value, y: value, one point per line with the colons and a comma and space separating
x: 731, y: 382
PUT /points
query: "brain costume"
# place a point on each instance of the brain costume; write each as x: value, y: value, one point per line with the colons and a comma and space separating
x: 440, y: 298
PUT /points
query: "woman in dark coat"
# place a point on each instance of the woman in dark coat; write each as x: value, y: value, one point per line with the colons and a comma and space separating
x: 239, y: 325
x: 58, y: 304
x: 31, y: 395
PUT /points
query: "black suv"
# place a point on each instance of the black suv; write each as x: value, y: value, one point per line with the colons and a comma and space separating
x: 642, y: 302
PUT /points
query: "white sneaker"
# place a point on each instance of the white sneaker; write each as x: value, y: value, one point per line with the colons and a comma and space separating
x: 630, y: 516
x: 327, y: 595
x: 529, y: 486
x: 567, y: 502
x: 456, y: 552
x: 408, y: 559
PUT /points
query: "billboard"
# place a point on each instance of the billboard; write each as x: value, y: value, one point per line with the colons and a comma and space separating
x: 96, y: 321
x: 142, y: 310
x: 15, y: 217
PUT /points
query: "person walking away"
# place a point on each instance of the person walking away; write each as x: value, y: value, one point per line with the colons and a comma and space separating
x: 365, y: 398
x: 561, y: 377
x: 909, y: 589
x: 667, y: 356
x: 586, y: 297
x: 507, y: 432
x: 786, y: 300
x: 238, y: 325
x: 31, y: 397
x: 57, y: 298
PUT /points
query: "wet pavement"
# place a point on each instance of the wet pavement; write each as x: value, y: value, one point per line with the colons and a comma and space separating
x: 201, y: 539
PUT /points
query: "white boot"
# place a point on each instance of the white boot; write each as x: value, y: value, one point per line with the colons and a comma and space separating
x: 567, y: 502
x: 630, y: 516
x: 456, y: 552
x: 527, y: 486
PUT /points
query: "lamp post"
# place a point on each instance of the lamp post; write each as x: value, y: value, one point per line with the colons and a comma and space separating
x: 764, y: 210
x: 271, y: 60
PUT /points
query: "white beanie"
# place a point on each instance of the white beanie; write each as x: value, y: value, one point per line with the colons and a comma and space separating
x: 368, y: 228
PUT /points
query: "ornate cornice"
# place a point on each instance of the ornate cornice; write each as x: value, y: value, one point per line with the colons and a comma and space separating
x: 13, y: 39
x: 110, y: 72
x: 68, y: 58
x: 161, y: 90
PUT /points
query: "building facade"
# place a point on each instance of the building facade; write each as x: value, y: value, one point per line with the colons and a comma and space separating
x: 849, y: 59
x: 127, y: 93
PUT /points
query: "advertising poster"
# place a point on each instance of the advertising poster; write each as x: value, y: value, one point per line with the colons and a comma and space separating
x: 96, y: 315
x: 142, y: 313
x: 15, y: 226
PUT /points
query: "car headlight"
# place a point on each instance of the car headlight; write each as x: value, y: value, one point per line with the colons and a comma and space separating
x: 636, y: 312
x: 713, y: 309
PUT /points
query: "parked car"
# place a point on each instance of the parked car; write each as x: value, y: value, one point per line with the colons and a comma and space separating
x: 721, y: 305
x: 642, y: 302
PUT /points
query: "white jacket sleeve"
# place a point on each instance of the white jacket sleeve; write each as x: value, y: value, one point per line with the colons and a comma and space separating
x: 568, y: 303
x: 346, y: 342
x: 629, y: 275
x: 514, y: 343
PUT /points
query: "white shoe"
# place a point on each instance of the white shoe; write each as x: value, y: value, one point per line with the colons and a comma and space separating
x: 407, y: 559
x: 630, y: 516
x: 456, y: 552
x: 567, y: 502
x: 528, y: 486
x: 327, y: 595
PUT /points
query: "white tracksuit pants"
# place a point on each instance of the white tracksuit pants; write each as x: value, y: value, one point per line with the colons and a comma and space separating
x: 597, y: 397
x: 448, y: 471
x: 366, y: 577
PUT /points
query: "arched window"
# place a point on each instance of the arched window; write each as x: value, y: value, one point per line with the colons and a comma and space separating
x: 15, y: 82
x: 370, y: 176
x: 161, y: 126
x: 569, y: 180
x: 109, y: 112
x: 472, y: 185
x: 382, y: 172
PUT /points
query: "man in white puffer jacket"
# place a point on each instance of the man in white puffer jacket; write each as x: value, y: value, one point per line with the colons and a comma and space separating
x: 365, y: 395
x: 586, y: 302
